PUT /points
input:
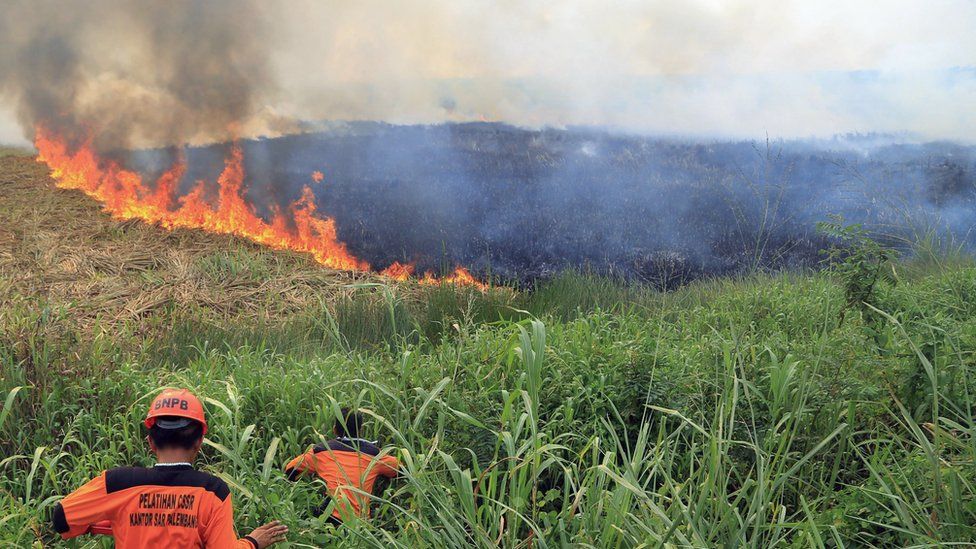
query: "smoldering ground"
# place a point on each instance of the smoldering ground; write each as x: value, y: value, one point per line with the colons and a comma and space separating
x: 527, y: 202
x: 522, y: 204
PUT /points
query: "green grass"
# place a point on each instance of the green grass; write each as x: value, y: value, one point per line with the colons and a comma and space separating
x: 729, y: 413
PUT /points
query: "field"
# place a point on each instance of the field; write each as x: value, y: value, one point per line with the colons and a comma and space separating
x: 521, y: 204
x: 763, y: 410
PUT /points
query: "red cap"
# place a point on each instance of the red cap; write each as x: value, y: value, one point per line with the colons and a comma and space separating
x: 178, y: 403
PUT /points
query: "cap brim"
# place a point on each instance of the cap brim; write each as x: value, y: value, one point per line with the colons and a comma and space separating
x: 175, y: 423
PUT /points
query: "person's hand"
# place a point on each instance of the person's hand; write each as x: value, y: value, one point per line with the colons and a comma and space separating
x: 269, y: 534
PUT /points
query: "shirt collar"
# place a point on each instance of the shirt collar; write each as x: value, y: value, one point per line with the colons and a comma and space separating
x: 357, y: 440
x: 177, y: 465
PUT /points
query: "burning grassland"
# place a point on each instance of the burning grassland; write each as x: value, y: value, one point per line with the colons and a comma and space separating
x: 60, y: 254
x: 521, y: 205
x: 125, y: 196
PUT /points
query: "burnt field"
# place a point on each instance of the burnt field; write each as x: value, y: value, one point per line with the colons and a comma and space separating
x: 520, y: 204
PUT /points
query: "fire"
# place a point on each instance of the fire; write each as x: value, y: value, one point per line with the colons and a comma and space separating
x: 398, y: 271
x: 123, y: 195
x: 317, y: 176
x: 460, y: 277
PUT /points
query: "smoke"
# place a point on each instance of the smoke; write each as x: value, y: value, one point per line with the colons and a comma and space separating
x: 701, y: 67
x: 130, y: 73
x: 524, y: 204
x: 143, y: 78
x: 138, y: 73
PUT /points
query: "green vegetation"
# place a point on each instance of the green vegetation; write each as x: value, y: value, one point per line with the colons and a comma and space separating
x: 830, y: 410
x: 750, y: 412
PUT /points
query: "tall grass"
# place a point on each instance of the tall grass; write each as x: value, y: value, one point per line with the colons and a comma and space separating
x: 588, y: 413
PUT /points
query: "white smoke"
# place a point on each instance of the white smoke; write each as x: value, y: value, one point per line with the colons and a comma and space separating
x: 715, y: 67
x: 790, y: 68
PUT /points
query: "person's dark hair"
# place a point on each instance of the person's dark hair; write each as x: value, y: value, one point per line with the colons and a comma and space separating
x: 348, y: 425
x: 184, y: 437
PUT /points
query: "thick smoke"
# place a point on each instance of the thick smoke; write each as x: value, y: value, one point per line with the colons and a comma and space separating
x: 140, y: 72
x: 792, y: 68
x: 131, y: 73
x: 523, y: 204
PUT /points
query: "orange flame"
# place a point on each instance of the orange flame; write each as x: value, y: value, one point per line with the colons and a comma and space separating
x: 398, y: 271
x: 460, y: 277
x: 123, y: 195
x: 317, y: 176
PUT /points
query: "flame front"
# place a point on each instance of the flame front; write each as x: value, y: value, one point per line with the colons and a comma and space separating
x: 398, y: 271
x: 123, y: 195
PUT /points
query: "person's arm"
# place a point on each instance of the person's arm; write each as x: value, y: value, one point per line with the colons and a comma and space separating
x: 79, y: 510
x: 388, y: 466
x: 219, y: 531
x: 304, y: 463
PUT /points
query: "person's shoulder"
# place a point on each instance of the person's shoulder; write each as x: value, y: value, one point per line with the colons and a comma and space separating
x: 343, y: 444
x: 122, y: 478
x: 330, y: 446
x: 207, y: 481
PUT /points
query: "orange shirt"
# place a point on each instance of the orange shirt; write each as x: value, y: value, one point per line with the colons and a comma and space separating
x: 343, y: 464
x: 163, y: 506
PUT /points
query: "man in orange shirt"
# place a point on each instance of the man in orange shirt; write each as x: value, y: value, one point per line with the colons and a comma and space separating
x: 349, y: 466
x: 168, y: 505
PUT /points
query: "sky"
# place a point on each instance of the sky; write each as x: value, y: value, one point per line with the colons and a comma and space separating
x: 743, y: 68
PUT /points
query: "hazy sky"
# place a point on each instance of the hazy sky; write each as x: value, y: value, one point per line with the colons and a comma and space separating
x: 731, y: 68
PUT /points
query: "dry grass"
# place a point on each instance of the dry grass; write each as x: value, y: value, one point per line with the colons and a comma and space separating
x: 6, y: 150
x: 58, y: 248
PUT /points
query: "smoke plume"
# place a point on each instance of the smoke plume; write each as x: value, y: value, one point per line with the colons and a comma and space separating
x: 136, y: 73
x: 738, y: 68
x: 131, y: 73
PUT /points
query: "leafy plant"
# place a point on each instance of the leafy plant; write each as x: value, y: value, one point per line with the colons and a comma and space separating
x: 857, y: 259
x: 728, y: 413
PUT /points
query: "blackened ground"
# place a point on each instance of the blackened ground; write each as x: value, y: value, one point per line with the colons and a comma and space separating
x: 523, y: 204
